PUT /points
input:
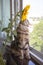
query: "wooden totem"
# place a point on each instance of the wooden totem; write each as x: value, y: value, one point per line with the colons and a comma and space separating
x: 23, y: 39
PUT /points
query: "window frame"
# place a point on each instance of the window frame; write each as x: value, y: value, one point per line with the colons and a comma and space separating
x: 36, y: 55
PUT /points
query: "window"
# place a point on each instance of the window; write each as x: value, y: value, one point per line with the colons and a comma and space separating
x: 35, y: 17
x: 4, y: 15
x: 4, y: 12
x: 8, y: 10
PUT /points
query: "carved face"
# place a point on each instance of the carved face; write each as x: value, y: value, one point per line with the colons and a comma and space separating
x: 23, y: 39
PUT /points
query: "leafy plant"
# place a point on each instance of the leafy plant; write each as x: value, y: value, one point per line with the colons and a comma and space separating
x: 9, y: 30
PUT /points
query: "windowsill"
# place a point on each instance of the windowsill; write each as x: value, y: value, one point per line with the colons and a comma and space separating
x: 37, y: 56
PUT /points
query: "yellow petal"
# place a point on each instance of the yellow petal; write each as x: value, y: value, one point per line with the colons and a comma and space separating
x: 25, y: 12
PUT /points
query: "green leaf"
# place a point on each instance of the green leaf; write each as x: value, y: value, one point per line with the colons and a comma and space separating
x: 6, y: 30
x: 10, y: 25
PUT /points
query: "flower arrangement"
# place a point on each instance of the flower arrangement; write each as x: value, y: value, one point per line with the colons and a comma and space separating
x: 23, y: 17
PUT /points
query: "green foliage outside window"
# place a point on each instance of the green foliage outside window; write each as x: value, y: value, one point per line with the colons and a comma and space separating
x: 36, y: 37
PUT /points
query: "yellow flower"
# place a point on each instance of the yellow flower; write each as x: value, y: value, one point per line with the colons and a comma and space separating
x: 25, y: 12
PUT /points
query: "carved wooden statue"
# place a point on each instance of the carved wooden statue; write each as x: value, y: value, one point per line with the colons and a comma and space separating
x: 23, y: 39
x: 18, y: 52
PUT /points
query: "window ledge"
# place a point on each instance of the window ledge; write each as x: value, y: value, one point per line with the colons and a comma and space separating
x: 37, y: 56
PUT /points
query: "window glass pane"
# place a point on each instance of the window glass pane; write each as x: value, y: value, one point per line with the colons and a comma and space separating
x: 4, y: 12
x: 35, y: 17
x: 4, y: 15
x: 0, y: 16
